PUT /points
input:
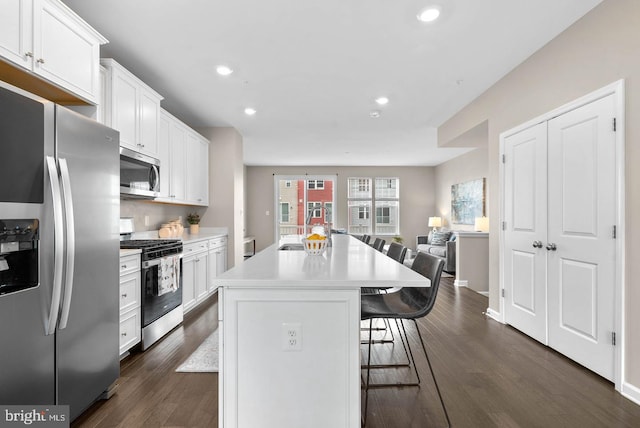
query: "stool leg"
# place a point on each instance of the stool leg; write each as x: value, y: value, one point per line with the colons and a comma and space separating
x: 366, y: 387
x: 424, y: 348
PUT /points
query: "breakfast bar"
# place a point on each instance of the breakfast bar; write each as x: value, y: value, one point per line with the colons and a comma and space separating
x: 290, y: 333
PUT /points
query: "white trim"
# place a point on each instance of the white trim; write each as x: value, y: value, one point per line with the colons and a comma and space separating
x: 631, y: 392
x: 470, y: 234
x: 494, y: 315
x: 618, y: 90
x: 460, y: 282
x: 484, y: 293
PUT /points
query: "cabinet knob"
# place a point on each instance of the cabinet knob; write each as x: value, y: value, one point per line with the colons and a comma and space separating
x: 537, y: 244
x: 123, y: 267
x: 124, y: 334
x: 40, y: 60
x: 124, y: 296
x: 29, y: 54
x: 551, y: 247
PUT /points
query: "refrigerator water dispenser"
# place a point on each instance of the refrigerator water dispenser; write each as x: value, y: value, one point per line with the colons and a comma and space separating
x: 18, y: 255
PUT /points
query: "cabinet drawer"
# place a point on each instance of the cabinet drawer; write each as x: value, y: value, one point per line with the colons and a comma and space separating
x: 129, y: 264
x: 217, y: 242
x: 130, y: 331
x: 129, y: 291
x: 196, y: 247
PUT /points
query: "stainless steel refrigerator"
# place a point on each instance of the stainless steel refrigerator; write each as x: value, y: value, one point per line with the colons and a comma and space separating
x: 59, y: 322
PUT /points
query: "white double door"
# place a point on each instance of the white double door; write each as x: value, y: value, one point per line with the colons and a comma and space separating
x: 560, y: 253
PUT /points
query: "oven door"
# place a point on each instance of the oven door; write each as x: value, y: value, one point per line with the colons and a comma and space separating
x: 157, y: 299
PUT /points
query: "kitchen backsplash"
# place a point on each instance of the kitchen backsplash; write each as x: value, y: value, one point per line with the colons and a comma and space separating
x: 157, y: 213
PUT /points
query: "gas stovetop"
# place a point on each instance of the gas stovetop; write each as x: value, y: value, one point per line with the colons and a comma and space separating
x: 153, y: 248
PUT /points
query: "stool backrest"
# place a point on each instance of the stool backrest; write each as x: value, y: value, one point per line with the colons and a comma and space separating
x: 397, y: 252
x: 378, y: 244
x: 424, y: 298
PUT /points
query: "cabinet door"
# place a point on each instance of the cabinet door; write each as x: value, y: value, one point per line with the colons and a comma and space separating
x: 188, y: 283
x: 198, y: 162
x: 213, y: 270
x: 149, y: 123
x: 64, y: 52
x: 15, y: 32
x: 164, y: 155
x: 177, y: 164
x: 124, y: 109
x: 201, y: 276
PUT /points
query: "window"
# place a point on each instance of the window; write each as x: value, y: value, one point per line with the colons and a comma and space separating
x: 381, y: 194
x: 315, y: 184
x: 315, y: 208
x: 284, y: 212
x: 328, y: 208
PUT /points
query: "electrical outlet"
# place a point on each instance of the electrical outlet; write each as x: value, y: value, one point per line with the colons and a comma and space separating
x: 292, y: 336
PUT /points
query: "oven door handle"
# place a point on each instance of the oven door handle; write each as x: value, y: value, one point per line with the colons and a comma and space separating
x: 155, y: 262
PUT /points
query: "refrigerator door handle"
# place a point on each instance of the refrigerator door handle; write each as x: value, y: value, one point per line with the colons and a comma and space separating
x: 70, y: 240
x: 58, y: 249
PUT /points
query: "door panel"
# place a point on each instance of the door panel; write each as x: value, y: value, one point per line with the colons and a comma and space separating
x: 582, y: 213
x: 526, y: 219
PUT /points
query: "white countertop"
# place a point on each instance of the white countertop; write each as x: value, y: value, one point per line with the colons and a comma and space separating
x: 129, y: 252
x: 348, y: 263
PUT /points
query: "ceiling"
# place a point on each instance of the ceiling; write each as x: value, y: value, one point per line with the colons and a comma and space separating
x: 313, y: 69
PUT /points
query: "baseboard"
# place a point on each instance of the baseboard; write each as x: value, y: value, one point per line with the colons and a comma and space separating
x: 494, y: 315
x: 631, y: 392
x: 484, y: 293
x: 460, y: 283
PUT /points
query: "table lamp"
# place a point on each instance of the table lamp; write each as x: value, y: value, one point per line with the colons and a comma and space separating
x: 435, y: 222
x: 482, y: 224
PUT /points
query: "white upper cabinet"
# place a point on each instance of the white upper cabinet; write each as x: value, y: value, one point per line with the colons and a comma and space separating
x: 198, y: 162
x: 48, y: 39
x: 133, y: 108
x: 184, y: 163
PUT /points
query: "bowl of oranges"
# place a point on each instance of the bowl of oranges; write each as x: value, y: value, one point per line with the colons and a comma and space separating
x: 315, y: 244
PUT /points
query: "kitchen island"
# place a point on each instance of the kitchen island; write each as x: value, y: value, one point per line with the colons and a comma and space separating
x: 290, y: 334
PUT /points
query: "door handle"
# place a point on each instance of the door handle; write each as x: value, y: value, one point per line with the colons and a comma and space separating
x: 70, y: 240
x: 58, y: 249
x: 551, y: 247
x: 537, y: 244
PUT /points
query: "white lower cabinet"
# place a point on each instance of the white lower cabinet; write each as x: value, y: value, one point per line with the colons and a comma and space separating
x: 217, y: 260
x: 130, y: 288
x: 194, y: 274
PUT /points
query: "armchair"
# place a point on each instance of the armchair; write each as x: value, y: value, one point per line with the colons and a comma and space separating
x: 444, y: 247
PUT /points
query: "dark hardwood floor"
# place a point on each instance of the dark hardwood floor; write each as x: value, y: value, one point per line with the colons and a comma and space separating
x: 490, y: 375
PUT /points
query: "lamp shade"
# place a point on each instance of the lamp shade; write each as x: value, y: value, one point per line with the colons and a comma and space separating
x: 435, y: 222
x: 482, y: 224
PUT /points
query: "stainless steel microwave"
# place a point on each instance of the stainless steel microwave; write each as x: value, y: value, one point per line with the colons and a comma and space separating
x: 139, y: 175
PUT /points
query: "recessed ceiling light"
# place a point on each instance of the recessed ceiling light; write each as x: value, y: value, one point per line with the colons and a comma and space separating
x: 224, y: 70
x: 249, y: 111
x: 382, y: 100
x: 429, y: 14
x: 374, y: 114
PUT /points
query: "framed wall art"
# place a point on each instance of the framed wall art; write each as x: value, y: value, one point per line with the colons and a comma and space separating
x: 468, y: 201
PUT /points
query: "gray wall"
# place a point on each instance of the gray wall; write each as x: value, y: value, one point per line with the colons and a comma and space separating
x: 597, y: 50
x: 417, y: 197
x: 226, y: 188
x: 470, y: 166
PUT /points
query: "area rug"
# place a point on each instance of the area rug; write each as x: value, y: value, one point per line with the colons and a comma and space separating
x: 205, y: 358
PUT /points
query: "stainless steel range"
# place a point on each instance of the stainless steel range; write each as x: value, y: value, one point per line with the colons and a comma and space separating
x: 161, y: 293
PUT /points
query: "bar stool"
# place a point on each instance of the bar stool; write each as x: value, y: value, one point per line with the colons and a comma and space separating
x: 407, y: 303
